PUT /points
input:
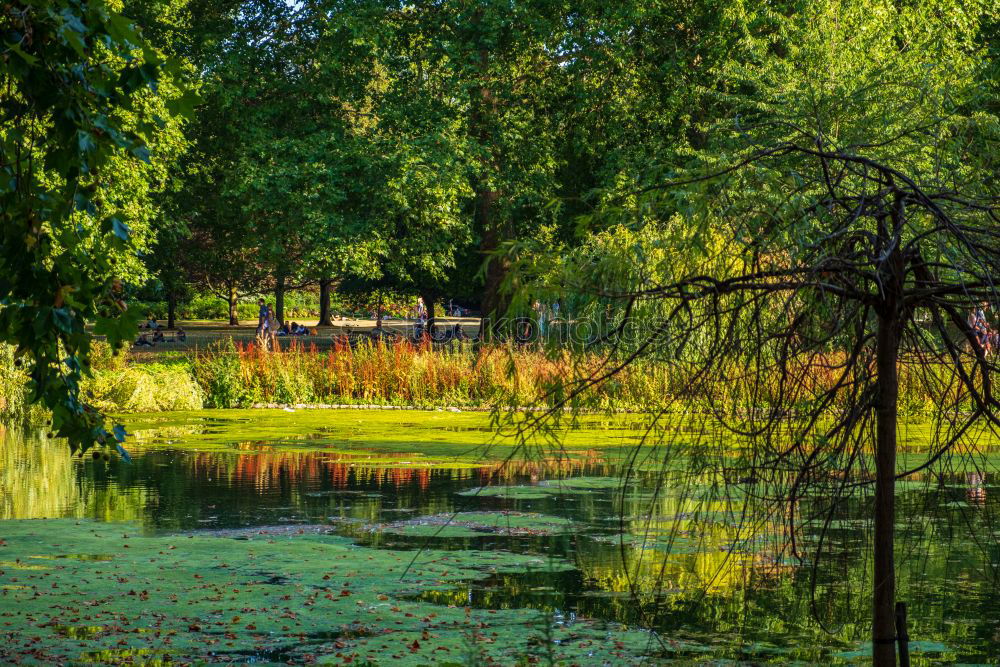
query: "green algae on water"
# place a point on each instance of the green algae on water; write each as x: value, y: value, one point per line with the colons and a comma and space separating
x: 273, y: 599
x: 473, y: 524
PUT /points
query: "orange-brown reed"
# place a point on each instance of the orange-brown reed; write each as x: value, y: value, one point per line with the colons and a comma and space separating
x: 462, y: 375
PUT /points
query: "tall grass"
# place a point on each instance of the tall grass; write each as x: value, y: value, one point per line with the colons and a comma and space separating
x: 234, y: 375
x: 230, y: 375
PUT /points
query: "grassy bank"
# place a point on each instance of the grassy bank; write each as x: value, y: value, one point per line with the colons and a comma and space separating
x: 234, y: 375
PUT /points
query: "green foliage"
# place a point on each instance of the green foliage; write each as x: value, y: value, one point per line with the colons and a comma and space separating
x: 82, y: 113
x: 144, y: 388
x: 221, y: 377
x: 15, y: 404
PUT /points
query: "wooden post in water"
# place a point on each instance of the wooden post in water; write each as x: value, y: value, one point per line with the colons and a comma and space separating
x: 901, y: 637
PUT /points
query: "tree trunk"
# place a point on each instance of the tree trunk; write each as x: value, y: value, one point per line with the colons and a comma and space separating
x: 171, y: 309
x: 494, y: 302
x: 325, y: 318
x: 279, y: 298
x: 428, y: 298
x: 884, y: 594
x: 890, y: 321
x: 483, y: 110
x: 234, y: 315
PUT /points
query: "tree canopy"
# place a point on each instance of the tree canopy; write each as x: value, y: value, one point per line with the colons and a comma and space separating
x: 89, y: 120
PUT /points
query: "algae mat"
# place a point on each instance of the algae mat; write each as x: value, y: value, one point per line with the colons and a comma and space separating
x: 84, y: 592
x: 427, y: 433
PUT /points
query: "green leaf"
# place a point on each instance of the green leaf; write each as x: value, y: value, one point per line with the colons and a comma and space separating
x: 63, y: 320
x: 85, y: 141
x: 120, y: 229
x: 185, y: 104
x: 26, y: 57
x: 142, y: 153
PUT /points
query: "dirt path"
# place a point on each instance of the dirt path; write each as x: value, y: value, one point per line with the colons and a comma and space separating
x: 202, y: 333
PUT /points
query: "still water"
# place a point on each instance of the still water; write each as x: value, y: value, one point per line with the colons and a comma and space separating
x: 670, y: 562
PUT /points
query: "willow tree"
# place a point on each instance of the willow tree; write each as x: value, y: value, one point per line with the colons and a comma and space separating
x: 833, y: 236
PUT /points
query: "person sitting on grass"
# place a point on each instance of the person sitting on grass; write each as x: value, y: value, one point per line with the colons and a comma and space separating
x: 143, y: 340
x: 283, y: 330
x: 181, y: 335
x: 980, y: 327
x: 158, y: 336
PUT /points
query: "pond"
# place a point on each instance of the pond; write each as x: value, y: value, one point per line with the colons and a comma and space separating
x: 408, y: 537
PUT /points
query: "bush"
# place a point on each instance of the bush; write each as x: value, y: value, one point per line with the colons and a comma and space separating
x: 221, y: 376
x: 144, y: 388
x: 14, y: 406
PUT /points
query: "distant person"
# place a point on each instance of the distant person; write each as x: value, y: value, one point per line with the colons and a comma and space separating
x: 540, y: 315
x: 181, y: 335
x: 261, y: 316
x: 158, y: 336
x: 980, y: 326
x: 421, y: 310
x: 976, y: 491
x: 272, y: 327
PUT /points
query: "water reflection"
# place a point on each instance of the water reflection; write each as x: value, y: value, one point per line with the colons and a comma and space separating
x: 39, y: 478
x: 691, y: 565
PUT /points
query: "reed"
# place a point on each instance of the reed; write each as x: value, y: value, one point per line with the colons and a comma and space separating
x: 230, y: 375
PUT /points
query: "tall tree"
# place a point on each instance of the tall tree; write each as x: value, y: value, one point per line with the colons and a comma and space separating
x: 838, y: 201
x: 79, y: 115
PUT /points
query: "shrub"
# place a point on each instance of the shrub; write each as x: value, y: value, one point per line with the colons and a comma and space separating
x: 222, y: 377
x: 145, y: 388
x: 14, y: 406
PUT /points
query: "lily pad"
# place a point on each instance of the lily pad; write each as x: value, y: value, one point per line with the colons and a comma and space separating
x: 583, y: 483
x: 509, y: 492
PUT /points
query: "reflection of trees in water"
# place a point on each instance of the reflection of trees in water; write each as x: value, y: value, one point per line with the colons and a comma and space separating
x: 38, y: 479
x: 268, y: 468
x: 173, y: 488
x: 686, y: 564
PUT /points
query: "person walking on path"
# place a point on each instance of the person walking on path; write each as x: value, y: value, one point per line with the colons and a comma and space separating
x: 421, y: 318
x: 261, y: 317
x: 272, y: 328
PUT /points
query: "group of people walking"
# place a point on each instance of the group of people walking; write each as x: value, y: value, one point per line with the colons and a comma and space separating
x: 268, y: 327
